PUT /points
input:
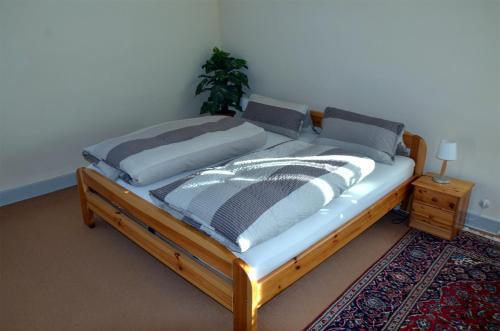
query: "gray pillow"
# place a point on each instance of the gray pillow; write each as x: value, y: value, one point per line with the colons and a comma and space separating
x: 274, y: 115
x: 369, y: 136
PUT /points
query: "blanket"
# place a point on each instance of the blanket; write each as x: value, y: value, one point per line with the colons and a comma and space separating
x: 170, y: 148
x: 258, y: 196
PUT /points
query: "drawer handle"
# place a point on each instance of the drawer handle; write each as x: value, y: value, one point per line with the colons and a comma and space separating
x: 434, y: 200
x: 452, y: 205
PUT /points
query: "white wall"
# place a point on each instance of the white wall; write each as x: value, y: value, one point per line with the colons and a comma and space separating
x: 434, y: 65
x: 74, y: 72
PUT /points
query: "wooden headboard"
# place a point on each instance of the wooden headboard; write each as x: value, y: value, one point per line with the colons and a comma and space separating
x: 416, y: 144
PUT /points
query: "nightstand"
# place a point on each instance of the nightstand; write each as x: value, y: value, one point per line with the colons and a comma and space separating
x: 440, y: 209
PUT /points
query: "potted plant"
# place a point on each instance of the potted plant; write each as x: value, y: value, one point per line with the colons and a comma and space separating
x: 224, y: 80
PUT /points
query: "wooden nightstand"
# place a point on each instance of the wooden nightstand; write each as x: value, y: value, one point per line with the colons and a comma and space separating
x: 440, y: 209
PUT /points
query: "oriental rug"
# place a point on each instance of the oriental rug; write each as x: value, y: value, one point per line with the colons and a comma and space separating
x: 423, y: 283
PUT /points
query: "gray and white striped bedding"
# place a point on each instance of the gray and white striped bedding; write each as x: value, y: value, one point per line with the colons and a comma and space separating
x: 373, y: 137
x: 282, y: 117
x: 257, y: 196
x: 170, y: 148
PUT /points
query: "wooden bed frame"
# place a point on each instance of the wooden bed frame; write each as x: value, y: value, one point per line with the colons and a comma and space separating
x: 209, y: 265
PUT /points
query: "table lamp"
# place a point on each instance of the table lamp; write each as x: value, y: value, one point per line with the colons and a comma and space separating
x: 447, y: 152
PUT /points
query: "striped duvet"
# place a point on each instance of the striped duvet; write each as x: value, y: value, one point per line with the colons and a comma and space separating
x: 170, y: 148
x: 256, y: 197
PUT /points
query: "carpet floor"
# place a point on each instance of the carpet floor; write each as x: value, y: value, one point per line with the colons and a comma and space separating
x: 424, y: 283
x: 57, y: 274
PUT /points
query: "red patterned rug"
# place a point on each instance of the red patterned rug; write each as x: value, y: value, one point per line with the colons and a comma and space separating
x: 424, y: 283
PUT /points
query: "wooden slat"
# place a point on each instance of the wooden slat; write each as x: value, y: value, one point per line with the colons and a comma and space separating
x: 184, y: 265
x: 288, y: 273
x: 190, y: 239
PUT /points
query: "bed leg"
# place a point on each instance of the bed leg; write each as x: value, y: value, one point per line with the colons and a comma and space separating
x: 244, y: 298
x: 406, y: 203
x: 87, y: 214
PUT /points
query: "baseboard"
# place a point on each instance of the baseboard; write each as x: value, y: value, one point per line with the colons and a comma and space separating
x: 39, y: 188
x: 61, y: 182
x: 483, y: 223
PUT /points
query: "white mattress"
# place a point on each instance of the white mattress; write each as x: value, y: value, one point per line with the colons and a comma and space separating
x: 353, y: 201
x: 272, y: 253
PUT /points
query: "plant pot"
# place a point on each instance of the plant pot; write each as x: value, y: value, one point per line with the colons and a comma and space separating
x: 227, y: 113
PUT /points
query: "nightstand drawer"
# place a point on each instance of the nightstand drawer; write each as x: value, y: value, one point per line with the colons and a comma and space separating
x: 441, y: 216
x: 424, y: 224
x: 435, y: 198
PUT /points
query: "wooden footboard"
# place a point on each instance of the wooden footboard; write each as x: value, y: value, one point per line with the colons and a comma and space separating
x: 206, y: 263
x: 183, y: 249
x: 187, y: 252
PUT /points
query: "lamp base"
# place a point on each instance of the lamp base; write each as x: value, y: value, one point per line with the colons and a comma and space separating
x: 441, y: 179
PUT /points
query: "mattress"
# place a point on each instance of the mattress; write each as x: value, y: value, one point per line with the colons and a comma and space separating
x: 307, y: 232
x: 331, y: 217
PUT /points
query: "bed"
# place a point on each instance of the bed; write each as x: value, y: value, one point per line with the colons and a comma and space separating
x: 243, y: 282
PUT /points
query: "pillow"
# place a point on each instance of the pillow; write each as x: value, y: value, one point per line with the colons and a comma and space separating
x: 274, y: 115
x: 369, y: 136
x: 402, y: 149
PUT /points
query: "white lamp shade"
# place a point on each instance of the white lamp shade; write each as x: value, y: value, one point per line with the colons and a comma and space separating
x: 447, y: 150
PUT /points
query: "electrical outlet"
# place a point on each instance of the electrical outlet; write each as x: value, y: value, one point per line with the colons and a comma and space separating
x: 484, y: 203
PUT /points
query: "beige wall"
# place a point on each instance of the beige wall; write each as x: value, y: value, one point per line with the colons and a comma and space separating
x: 434, y: 65
x: 73, y: 72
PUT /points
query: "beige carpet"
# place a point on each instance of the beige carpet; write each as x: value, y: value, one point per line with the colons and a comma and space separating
x: 57, y: 274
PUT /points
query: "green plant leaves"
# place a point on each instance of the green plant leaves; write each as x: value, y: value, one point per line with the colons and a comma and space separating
x: 209, y: 107
x: 201, y: 86
x: 224, y: 80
